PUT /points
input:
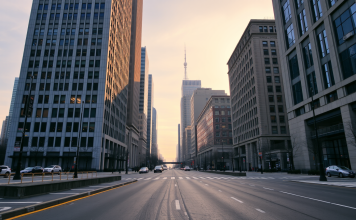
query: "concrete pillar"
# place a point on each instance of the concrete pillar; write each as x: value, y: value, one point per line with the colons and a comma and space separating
x: 349, y: 121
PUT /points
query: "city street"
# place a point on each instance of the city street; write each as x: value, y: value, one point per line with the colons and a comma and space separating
x: 177, y: 194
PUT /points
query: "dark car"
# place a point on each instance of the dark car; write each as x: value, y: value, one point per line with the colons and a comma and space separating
x: 36, y: 169
x: 339, y: 171
x: 158, y: 169
x: 144, y: 170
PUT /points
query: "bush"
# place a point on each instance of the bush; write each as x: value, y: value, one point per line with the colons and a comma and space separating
x: 294, y: 172
x: 313, y: 172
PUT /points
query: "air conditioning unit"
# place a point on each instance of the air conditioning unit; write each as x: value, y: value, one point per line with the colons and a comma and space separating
x: 348, y: 35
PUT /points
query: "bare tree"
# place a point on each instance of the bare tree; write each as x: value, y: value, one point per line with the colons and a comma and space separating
x: 293, y: 149
x: 36, y: 151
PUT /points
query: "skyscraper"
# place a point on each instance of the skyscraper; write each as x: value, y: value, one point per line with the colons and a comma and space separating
x: 72, y: 76
x: 179, y: 146
x: 154, y: 144
x: 149, y: 115
x: 13, y: 97
x: 188, y: 87
x: 132, y: 122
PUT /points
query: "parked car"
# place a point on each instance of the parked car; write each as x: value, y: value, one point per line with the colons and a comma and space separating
x: 186, y: 168
x: 52, y: 169
x: 182, y: 168
x: 36, y: 169
x: 164, y: 167
x: 5, y: 170
x: 144, y: 170
x: 158, y: 169
x: 339, y: 171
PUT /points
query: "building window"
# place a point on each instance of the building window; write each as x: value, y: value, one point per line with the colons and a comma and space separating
x: 345, y: 24
x: 267, y: 61
x: 299, y: 111
x: 328, y: 75
x: 303, y: 24
x: 290, y: 36
x: 287, y: 12
x: 299, y: 3
x: 350, y: 88
x: 268, y: 69
x: 278, y: 89
x: 297, y: 93
x: 269, y: 79
x: 274, y: 61
x: 274, y: 52
x: 265, y: 52
x: 332, y: 2
x: 264, y: 43
x: 281, y: 119
x: 312, y: 86
x: 270, y: 88
x: 274, y: 130
x: 331, y: 97
x: 261, y: 29
x: 272, y: 109
x: 273, y: 44
x: 279, y: 98
x: 323, y: 43
x: 271, y: 98
x: 280, y: 109
x: 277, y: 79
x: 348, y: 60
x: 315, y: 104
x: 265, y: 29
x: 308, y: 56
x: 271, y: 29
x: 275, y: 70
x: 273, y: 119
x: 318, y: 13
x: 283, y: 130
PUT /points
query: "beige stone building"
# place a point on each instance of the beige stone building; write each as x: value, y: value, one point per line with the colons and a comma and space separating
x: 259, y: 119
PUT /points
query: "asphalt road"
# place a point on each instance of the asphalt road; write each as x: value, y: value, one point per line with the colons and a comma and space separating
x: 176, y: 194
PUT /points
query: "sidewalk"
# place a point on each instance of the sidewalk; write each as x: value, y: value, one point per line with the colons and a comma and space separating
x: 346, y: 183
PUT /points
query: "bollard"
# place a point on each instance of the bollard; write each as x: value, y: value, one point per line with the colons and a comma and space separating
x: 60, y: 175
x: 9, y: 179
x: 67, y: 175
x: 52, y: 176
x: 92, y: 174
x: 87, y: 174
x: 21, y: 177
x: 32, y: 176
x: 96, y: 173
x: 42, y: 176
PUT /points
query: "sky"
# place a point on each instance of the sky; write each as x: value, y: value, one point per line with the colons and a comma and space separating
x: 210, y: 30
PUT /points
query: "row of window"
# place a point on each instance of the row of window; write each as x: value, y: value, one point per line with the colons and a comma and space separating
x: 283, y: 129
x: 64, y: 75
x: 274, y: 119
x: 63, y: 63
x: 56, y: 142
x: 273, y: 52
x: 265, y: 29
x: 71, y: 6
x: 62, y: 86
x: 276, y: 79
x: 67, y: 31
x: 69, y: 16
x: 67, y: 42
x: 80, y: 52
x: 272, y: 43
x: 272, y: 109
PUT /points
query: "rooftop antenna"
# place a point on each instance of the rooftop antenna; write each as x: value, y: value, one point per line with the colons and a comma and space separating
x: 185, y: 64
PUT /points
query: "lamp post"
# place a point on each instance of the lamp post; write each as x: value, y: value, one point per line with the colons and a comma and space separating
x: 28, y: 106
x: 78, y: 141
x: 222, y: 146
x: 321, y: 164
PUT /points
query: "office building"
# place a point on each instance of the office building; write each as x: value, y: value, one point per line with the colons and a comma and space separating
x: 179, y: 146
x: 259, y: 116
x: 150, y: 100
x: 154, y: 144
x: 199, y: 98
x: 75, y: 62
x: 4, y: 129
x: 317, y: 50
x: 13, y: 97
x: 214, y: 134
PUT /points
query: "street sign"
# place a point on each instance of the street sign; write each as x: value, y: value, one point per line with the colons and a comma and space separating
x: 17, y: 149
x: 260, y: 154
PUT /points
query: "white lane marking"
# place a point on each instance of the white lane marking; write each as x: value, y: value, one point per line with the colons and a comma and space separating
x: 156, y: 178
x: 268, y: 188
x: 220, y: 190
x: 187, y: 178
x: 180, y: 178
x: 19, y: 202
x: 4, y: 208
x: 173, y: 178
x: 202, y: 178
x: 164, y: 178
x: 237, y: 200
x: 318, y: 200
x: 185, y: 213
x: 139, y: 178
x: 260, y: 210
x: 175, y: 184
x: 63, y: 193
x: 177, y: 205
x: 95, y: 186
x: 207, y: 184
x: 147, y: 179
x: 252, y: 185
x: 195, y: 177
x: 79, y: 189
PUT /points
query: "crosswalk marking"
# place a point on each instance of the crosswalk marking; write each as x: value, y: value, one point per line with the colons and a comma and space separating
x: 180, y: 178
x: 209, y: 178
x: 172, y: 177
x: 188, y: 178
x: 165, y: 178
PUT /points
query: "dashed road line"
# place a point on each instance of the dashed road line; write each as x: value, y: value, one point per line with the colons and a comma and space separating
x: 237, y: 200
x: 260, y: 210
x: 177, y: 205
x: 268, y: 188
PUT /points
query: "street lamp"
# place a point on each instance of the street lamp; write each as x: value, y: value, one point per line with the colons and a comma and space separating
x: 78, y: 141
x: 321, y: 166
x: 27, y: 111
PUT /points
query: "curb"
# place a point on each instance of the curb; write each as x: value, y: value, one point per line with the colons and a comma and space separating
x: 32, y: 208
x: 296, y: 181
x: 226, y: 173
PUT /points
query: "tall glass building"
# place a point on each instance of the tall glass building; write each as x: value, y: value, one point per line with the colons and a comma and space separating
x: 78, y: 54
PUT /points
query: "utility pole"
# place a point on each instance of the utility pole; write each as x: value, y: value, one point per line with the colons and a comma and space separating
x: 321, y: 164
x: 28, y: 111
x: 78, y: 141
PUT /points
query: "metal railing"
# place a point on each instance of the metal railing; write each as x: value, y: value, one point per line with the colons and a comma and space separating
x: 66, y: 175
x: 328, y: 130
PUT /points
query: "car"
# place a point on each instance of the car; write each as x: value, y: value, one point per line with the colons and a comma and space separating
x: 5, y: 170
x: 158, y: 169
x: 144, y: 170
x: 36, y: 169
x: 52, y: 169
x: 186, y: 168
x: 340, y: 171
x: 181, y: 168
x: 164, y: 167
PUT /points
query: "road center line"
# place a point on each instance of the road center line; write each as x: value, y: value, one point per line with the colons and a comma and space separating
x: 318, y: 200
x: 237, y: 200
x: 19, y: 202
x: 268, y: 188
x: 63, y: 193
x: 177, y: 205
x: 220, y: 190
x: 175, y: 184
x: 260, y: 210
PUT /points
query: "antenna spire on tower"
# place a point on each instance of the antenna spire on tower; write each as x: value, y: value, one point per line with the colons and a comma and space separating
x: 185, y: 64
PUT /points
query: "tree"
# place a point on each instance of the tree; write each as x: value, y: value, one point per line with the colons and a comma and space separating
x: 293, y: 150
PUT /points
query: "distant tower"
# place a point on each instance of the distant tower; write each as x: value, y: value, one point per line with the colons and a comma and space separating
x: 185, y: 64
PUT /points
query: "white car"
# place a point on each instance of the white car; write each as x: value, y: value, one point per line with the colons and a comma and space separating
x: 52, y: 169
x: 5, y: 170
